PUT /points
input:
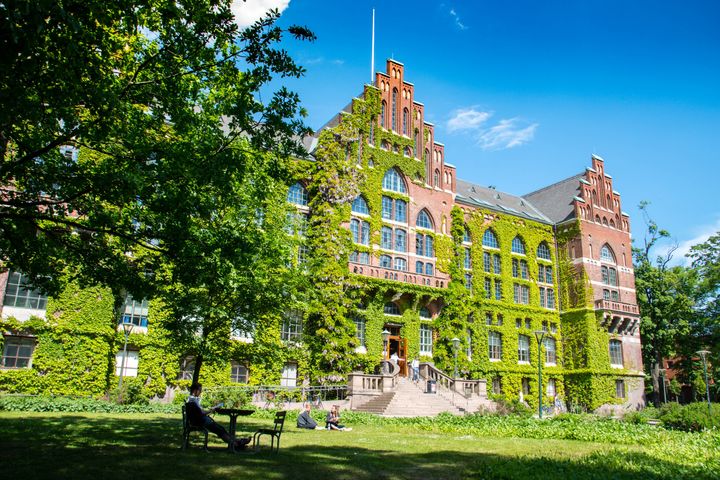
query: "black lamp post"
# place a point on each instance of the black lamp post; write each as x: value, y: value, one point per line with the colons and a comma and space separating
x: 456, y: 347
x: 539, y: 335
x: 703, y: 354
x: 663, y: 376
x: 127, y: 330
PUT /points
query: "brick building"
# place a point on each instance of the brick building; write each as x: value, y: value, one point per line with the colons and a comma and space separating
x: 557, y: 261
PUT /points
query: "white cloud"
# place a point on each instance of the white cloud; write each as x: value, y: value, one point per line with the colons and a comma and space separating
x: 467, y: 119
x: 683, y: 247
x: 456, y: 17
x: 508, y: 133
x: 249, y: 11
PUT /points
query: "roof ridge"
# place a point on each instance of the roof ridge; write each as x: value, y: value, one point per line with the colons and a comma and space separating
x: 572, y: 177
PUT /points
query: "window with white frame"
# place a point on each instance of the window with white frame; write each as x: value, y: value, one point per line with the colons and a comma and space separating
x: 238, y: 372
x: 468, y: 281
x: 523, y: 349
x: 292, y: 326
x: 550, y: 388
x: 134, y: 312
x: 423, y: 220
x: 288, y: 377
x: 468, y: 259
x: 543, y: 251
x: 131, y: 363
x: 518, y: 246
x: 620, y: 388
x: 17, y: 352
x: 606, y: 254
x: 489, y: 239
x: 360, y: 330
x: 425, y: 339
x: 550, y: 350
x: 393, y: 181
x: 391, y: 308
x: 359, y: 205
x: 494, y: 345
x: 360, y: 231
x: 521, y: 294
x: 297, y: 194
x: 18, y: 293
x: 385, y: 261
x: 616, y: 354
x: 424, y: 245
x: 400, y: 264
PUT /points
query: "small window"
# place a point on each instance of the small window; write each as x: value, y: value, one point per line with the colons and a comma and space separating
x: 360, y: 330
x: 238, y: 372
x: 616, y: 354
x: 17, y: 352
x: 429, y: 269
x: 550, y: 389
x: 297, y: 194
x: 550, y: 352
x: 606, y: 254
x: 423, y: 220
x: 391, y: 308
x: 400, y: 240
x: 543, y: 251
x: 488, y: 318
x: 385, y: 261
x: 425, y: 339
x: 359, y: 205
x: 496, y: 386
x: 518, y: 246
x: 131, y: 362
x: 419, y: 267
x: 490, y: 240
x: 400, y: 264
x: 288, y: 377
x: 292, y: 326
x: 424, y: 313
x: 495, y: 345
x: 620, y: 388
x: 468, y: 281
x: 134, y: 312
x: 468, y: 259
x: 18, y: 293
x: 523, y: 348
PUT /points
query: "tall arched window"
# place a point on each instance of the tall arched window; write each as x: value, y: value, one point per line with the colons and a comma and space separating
x: 393, y: 181
x: 405, y: 121
x: 423, y: 220
x: 297, y: 194
x: 393, y: 113
x: 518, y: 246
x: 417, y: 144
x: 436, y: 178
x: 382, y: 113
x: 606, y: 254
x: 543, y: 251
x: 359, y: 205
x: 466, y: 235
x: 489, y: 239
x: 391, y: 308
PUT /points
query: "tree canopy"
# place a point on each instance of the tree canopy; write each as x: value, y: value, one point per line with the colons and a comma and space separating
x: 129, y: 130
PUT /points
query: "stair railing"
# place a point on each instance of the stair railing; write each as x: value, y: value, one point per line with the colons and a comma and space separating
x: 458, y: 390
x: 363, y: 384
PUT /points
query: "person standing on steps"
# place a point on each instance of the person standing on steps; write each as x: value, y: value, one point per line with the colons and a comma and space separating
x: 415, y: 365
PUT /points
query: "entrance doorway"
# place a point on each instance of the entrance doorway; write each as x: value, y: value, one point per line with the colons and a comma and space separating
x: 397, y: 344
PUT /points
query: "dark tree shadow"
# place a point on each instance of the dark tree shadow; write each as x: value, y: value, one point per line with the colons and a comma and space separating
x: 78, y: 447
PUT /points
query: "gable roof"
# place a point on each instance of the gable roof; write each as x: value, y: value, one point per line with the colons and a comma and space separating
x: 556, y: 201
x: 478, y: 196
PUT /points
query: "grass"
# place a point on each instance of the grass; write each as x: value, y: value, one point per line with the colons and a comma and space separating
x: 123, y: 446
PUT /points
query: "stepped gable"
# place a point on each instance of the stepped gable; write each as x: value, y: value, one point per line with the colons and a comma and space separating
x: 484, y: 197
x: 557, y: 201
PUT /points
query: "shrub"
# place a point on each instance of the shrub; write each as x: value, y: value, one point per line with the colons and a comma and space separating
x: 690, y: 418
x: 21, y: 403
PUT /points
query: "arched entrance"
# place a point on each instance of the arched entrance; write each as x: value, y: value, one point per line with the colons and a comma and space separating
x: 397, y: 344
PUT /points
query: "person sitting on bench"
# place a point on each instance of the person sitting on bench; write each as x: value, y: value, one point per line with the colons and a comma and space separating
x: 201, y: 418
x: 305, y: 420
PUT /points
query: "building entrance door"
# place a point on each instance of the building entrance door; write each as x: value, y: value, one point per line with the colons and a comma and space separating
x: 397, y: 344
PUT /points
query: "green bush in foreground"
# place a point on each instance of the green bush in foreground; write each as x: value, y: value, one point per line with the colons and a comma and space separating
x: 690, y: 418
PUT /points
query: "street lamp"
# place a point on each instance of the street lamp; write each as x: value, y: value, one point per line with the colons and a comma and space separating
x: 703, y: 354
x: 127, y: 329
x: 539, y: 335
x: 456, y: 347
x: 663, y: 376
x: 386, y: 338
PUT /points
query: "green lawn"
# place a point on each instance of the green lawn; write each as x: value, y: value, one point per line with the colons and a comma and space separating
x: 100, y: 446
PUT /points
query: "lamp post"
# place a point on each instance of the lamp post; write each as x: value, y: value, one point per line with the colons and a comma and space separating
x: 455, y: 346
x: 703, y: 354
x: 663, y: 376
x: 386, y: 338
x: 127, y: 329
x: 539, y: 335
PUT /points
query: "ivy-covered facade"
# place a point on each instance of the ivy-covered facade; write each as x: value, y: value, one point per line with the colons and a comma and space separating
x: 392, y: 242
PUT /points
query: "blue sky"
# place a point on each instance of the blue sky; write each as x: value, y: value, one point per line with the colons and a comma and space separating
x: 523, y: 92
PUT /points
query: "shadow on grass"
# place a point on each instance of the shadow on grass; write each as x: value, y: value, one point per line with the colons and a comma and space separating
x: 80, y: 447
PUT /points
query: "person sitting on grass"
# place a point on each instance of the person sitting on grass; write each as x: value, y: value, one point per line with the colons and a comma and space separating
x: 332, y: 422
x: 201, y: 418
x: 305, y: 420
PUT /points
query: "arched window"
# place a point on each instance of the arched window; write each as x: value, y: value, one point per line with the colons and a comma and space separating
x: 405, y: 121
x: 393, y: 181
x: 423, y: 220
x: 359, y: 205
x: 606, y: 254
x: 424, y: 312
x: 419, y: 267
x: 391, y: 308
x: 400, y: 264
x: 466, y: 235
x: 385, y: 261
x: 427, y: 156
x: 436, y: 178
x: 490, y: 240
x: 417, y: 143
x: 543, y: 251
x: 518, y: 246
x: 393, y: 114
x: 297, y: 194
x: 428, y: 269
x: 382, y: 114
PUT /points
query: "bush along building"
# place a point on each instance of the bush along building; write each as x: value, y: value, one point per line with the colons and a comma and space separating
x: 400, y: 257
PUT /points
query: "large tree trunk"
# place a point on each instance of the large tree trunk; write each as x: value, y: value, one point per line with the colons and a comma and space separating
x: 198, y: 364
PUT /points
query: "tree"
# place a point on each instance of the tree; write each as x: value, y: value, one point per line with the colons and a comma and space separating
x: 666, y: 300
x: 122, y: 124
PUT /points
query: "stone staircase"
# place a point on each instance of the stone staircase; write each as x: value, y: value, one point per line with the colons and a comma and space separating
x: 409, y: 400
x: 379, y: 404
